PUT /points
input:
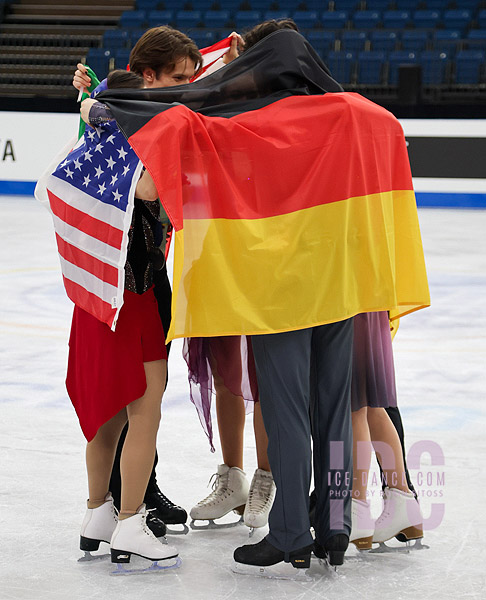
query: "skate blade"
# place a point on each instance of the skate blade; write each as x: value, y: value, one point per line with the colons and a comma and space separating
x: 279, y: 571
x: 406, y: 547
x: 88, y: 557
x: 211, y: 524
x: 155, y: 567
x: 183, y: 531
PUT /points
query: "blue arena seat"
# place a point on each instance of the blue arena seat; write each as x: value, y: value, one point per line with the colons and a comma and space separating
x: 188, y: 18
x: 347, y: 6
x: 434, y: 64
x: 354, y: 40
x: 147, y: 4
x: 341, y: 65
x: 276, y: 14
x: 383, y: 40
x: 334, y: 19
x: 457, y: 19
x: 380, y: 5
x: 132, y: 19
x: 395, y: 60
x: 366, y: 19
x: 482, y: 18
x: 216, y: 18
x: 426, y: 19
x: 414, y: 39
x: 476, y: 39
x: 469, y: 66
x: 116, y: 38
x: 321, y: 41
x: 447, y: 40
x: 160, y: 17
x: 396, y: 19
x: 122, y: 58
x: 371, y: 67
x: 306, y: 19
x: 205, y: 37
x: 99, y: 60
x: 245, y: 19
x: 407, y: 4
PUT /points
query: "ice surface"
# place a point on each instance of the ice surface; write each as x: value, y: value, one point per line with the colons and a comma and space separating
x: 440, y: 360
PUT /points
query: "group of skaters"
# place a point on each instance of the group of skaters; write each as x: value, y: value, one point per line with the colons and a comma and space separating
x: 346, y: 406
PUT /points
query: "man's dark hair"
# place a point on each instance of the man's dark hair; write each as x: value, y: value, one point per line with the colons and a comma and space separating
x: 160, y: 48
x: 123, y: 79
x: 261, y: 30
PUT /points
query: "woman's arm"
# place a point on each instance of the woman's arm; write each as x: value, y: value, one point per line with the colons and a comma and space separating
x: 146, y: 189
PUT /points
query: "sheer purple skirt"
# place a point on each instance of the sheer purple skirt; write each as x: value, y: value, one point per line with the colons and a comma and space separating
x: 373, y: 381
x: 229, y: 360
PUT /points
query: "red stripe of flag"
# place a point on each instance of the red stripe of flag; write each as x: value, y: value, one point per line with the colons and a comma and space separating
x: 83, y: 260
x: 93, y: 227
x: 89, y: 302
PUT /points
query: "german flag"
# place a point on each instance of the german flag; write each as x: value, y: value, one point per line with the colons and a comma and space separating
x: 292, y: 206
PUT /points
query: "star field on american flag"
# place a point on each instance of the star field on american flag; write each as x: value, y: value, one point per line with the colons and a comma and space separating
x: 101, y: 165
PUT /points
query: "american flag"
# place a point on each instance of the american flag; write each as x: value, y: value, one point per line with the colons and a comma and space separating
x: 91, y: 194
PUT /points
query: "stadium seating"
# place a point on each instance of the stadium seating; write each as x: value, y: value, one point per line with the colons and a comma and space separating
x: 306, y: 19
x: 395, y: 60
x: 116, y: 38
x: 321, y: 41
x: 216, y: 18
x: 188, y: 18
x: 396, y: 19
x: 354, y: 40
x: 370, y: 67
x: 426, y: 18
x: 132, y: 19
x: 434, y: 64
x: 457, y: 19
x: 469, y: 66
x: 414, y: 39
x: 334, y: 19
x: 122, y: 57
x: 366, y: 19
x: 160, y: 17
x: 99, y: 60
x: 383, y: 40
x: 341, y: 65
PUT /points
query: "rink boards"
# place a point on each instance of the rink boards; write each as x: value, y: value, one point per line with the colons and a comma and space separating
x: 446, y: 156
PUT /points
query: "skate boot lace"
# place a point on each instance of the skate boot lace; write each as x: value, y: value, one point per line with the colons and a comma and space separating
x: 260, y: 494
x: 220, y: 489
x: 164, y: 501
x: 386, y: 508
x: 146, y: 529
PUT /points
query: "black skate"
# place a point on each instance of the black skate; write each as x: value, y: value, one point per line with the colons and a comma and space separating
x: 333, y: 550
x: 167, y: 511
x: 155, y: 523
x: 264, y: 560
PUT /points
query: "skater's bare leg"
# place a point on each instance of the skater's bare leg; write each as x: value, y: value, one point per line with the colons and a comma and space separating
x: 382, y: 430
x: 261, y: 438
x: 100, y: 453
x: 139, y: 448
x: 361, y: 453
x: 230, y: 410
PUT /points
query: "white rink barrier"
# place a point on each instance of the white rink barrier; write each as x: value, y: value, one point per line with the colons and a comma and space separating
x: 447, y: 156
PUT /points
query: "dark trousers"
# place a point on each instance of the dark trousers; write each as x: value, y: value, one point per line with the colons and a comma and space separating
x: 304, y: 382
x: 163, y: 295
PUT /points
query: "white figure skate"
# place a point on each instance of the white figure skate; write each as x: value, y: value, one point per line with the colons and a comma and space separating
x: 362, y: 525
x: 98, y: 526
x: 260, y: 500
x: 401, y: 518
x: 230, y: 493
x: 132, y: 536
